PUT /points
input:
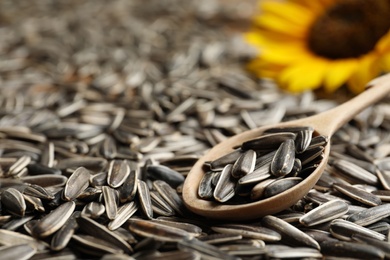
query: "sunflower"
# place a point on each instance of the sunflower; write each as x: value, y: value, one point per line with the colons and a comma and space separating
x: 308, y: 44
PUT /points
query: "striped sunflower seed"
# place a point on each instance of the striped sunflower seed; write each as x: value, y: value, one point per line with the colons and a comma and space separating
x: 283, y: 160
x: 290, y: 234
x: 53, y: 221
x: 158, y: 231
x: 118, y: 170
x: 76, y: 184
x: 328, y: 211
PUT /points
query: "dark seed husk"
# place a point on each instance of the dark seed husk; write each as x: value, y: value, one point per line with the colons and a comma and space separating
x: 95, y: 229
x: 268, y: 142
x: 303, y: 140
x: 205, y: 190
x: 351, y: 250
x: 13, y: 201
x: 54, y: 220
x: 280, y: 185
x: 76, y: 184
x: 290, y: 234
x: 206, y: 250
x: 161, y: 172
x: 283, y: 160
x: 118, y: 171
x: 20, y: 252
x: 158, y: 231
x: 370, y: 215
x: 244, y: 164
x: 358, y: 194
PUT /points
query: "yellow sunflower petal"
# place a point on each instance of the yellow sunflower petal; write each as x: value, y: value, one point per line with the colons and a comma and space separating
x: 283, y: 55
x: 303, y: 76
x: 262, y: 69
x: 386, y: 63
x: 338, y: 73
x: 367, y: 69
x: 281, y: 36
x: 290, y: 12
x: 384, y: 43
x: 280, y: 25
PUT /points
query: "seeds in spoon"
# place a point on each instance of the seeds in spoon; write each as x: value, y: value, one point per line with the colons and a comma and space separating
x: 286, y: 154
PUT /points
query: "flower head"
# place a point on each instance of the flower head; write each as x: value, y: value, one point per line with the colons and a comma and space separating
x: 307, y: 44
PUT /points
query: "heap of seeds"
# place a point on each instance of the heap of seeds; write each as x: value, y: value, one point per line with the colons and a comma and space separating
x: 263, y: 167
x: 105, y: 107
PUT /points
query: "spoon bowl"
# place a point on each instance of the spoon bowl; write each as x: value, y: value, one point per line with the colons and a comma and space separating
x: 325, y: 123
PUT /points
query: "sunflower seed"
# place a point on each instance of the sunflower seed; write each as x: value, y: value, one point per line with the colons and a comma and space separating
x: 160, y: 206
x: 370, y: 215
x: 384, y: 195
x: 311, y: 155
x: 12, y: 238
x: 91, y: 163
x: 219, y: 238
x: 192, y: 229
x: 144, y: 199
x: 256, y: 176
x: 54, y: 220
x: 229, y: 158
x: 294, y: 253
x: 124, y: 213
x: 303, y: 140
x: 62, y: 237
x: 351, y: 250
x: 280, y: 185
x: 328, y: 211
x: 359, y: 195
x: 248, y: 231
x: 37, y: 168
x: 128, y: 190
x: 158, y: 231
x: 95, y: 229
x: 179, y: 255
x: 257, y: 191
x: 18, y: 166
x: 76, y: 184
x: 171, y: 197
x: 22, y: 251
x: 14, y: 202
x: 355, y: 172
x: 161, y: 172
x: 110, y: 201
x: 283, y: 160
x: 95, y: 246
x: 33, y: 203
x: 244, y: 165
x: 290, y: 234
x: 205, y: 190
x: 384, y: 178
x: 224, y: 189
x: 46, y: 180
x: 268, y: 141
x: 118, y: 170
x: 381, y: 245
x: 93, y: 210
x: 16, y: 223
x: 343, y: 230
x: 206, y: 250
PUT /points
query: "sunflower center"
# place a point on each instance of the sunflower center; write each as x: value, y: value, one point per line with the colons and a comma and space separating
x: 349, y: 28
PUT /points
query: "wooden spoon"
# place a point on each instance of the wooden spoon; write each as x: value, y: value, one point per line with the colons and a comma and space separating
x: 325, y: 123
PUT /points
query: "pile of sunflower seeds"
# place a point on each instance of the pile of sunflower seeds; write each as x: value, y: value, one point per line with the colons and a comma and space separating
x: 263, y: 167
x: 104, y: 108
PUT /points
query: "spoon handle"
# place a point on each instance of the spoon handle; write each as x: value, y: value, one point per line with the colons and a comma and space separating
x: 331, y: 120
